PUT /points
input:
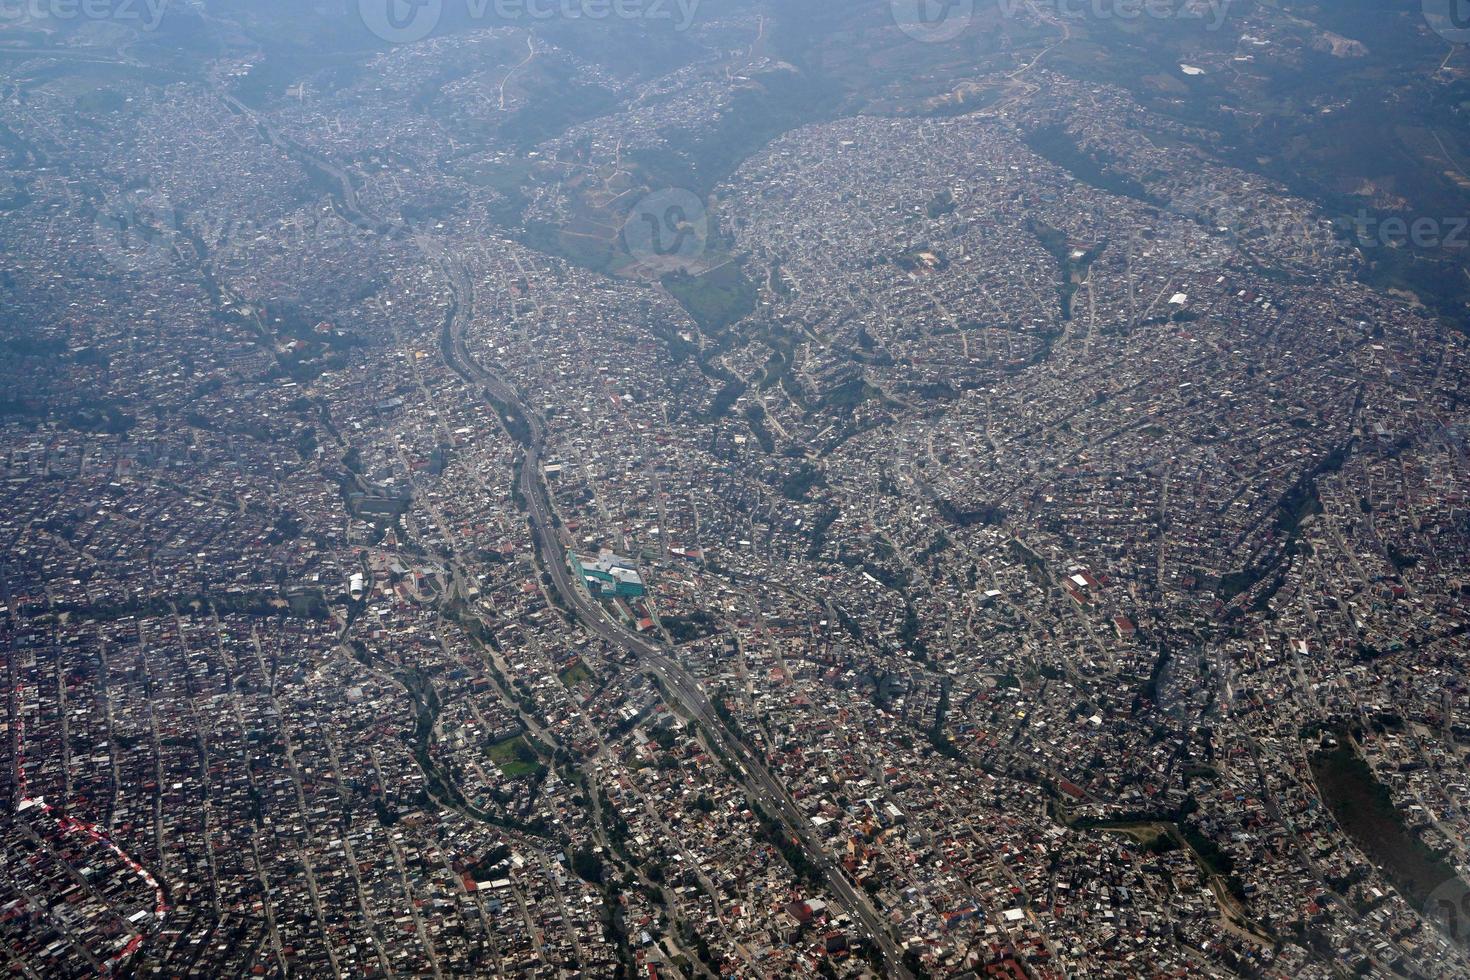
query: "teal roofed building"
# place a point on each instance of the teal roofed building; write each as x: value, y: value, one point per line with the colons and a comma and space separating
x: 609, y: 577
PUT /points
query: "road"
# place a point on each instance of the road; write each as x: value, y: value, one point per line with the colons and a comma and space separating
x: 760, y: 786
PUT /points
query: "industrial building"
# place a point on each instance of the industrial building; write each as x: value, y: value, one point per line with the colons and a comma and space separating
x: 608, y: 576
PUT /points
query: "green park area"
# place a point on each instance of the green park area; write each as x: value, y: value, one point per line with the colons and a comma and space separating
x: 514, y: 757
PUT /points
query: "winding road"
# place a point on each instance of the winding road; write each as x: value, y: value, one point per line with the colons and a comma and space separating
x: 756, y: 780
x: 759, y: 785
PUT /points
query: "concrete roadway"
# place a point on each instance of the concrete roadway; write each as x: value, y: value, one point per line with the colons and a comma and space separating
x: 760, y: 786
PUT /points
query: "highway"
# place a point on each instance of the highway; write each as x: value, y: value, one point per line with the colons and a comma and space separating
x: 760, y: 786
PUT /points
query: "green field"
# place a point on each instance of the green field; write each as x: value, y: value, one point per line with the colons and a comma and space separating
x: 514, y: 757
x: 575, y: 673
x: 716, y: 299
